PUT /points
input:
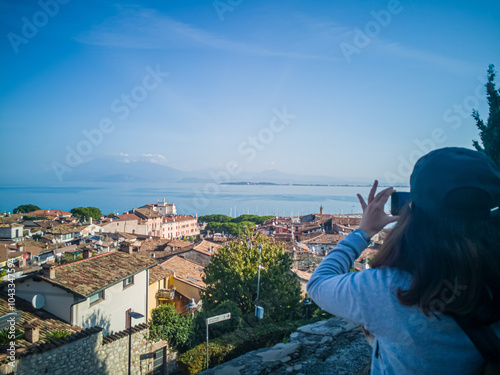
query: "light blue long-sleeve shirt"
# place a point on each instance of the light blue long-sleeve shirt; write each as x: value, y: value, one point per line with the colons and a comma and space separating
x: 406, y: 341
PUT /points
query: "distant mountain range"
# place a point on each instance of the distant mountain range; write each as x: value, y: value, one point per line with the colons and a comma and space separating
x: 112, y: 170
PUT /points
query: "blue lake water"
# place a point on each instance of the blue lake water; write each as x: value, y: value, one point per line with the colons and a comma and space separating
x: 189, y: 198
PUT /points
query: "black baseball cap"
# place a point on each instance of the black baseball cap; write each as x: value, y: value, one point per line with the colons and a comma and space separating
x: 456, y: 182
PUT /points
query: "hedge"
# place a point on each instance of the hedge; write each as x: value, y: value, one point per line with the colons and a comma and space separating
x: 234, y: 344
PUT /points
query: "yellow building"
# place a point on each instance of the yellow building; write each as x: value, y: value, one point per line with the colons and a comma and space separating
x: 161, y: 287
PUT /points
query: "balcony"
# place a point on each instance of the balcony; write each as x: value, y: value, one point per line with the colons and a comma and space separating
x: 165, y: 294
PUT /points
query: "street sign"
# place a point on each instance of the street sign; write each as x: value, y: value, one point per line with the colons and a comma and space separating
x: 218, y: 318
x: 259, y: 312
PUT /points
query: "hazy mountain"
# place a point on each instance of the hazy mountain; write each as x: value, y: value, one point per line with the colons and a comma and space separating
x: 113, y: 170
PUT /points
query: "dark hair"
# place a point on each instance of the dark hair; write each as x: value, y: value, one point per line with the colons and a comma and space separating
x: 455, y: 263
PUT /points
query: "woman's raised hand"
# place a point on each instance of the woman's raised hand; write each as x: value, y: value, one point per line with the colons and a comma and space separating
x: 374, y: 216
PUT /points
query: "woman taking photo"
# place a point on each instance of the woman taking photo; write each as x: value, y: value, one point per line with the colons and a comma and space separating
x: 439, y: 266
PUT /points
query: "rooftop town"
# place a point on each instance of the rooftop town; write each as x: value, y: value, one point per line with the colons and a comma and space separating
x: 85, y: 276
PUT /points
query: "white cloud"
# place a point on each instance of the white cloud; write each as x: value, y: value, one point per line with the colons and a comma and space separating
x: 148, y: 29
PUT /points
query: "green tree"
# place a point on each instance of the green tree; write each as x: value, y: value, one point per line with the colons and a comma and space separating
x: 490, y: 132
x: 215, y: 218
x: 86, y: 212
x: 167, y: 324
x: 232, y: 275
x: 111, y: 215
x: 25, y: 208
x: 253, y: 218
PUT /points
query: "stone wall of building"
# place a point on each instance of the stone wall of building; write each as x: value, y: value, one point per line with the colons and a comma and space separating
x: 87, y: 352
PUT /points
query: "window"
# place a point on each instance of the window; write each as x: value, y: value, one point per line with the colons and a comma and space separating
x: 128, y: 281
x: 96, y: 297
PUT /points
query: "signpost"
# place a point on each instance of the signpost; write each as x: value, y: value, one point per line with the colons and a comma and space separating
x: 216, y: 319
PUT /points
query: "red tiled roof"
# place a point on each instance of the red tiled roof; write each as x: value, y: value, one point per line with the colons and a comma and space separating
x: 186, y: 271
x: 33, y: 250
x: 11, y: 225
x: 179, y: 243
x: 46, y: 322
x: 205, y: 247
x: 153, y: 244
x: 49, y: 213
x: 148, y: 212
x: 325, y: 239
x: 127, y: 217
x: 159, y: 272
x: 90, y: 275
x: 179, y: 218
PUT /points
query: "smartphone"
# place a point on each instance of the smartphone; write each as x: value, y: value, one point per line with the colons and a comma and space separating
x: 398, y: 200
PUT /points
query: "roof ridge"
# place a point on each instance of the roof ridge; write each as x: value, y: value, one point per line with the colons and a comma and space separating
x: 83, y: 260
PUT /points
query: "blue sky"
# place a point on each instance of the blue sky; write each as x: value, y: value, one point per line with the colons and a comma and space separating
x: 365, y: 85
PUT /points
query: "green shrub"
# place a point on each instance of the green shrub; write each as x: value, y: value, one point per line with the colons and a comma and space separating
x: 57, y: 334
x: 234, y: 344
x: 6, y: 336
x: 167, y: 324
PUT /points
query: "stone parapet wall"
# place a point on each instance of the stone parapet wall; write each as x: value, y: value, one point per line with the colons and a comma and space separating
x: 88, y: 353
x: 334, y: 346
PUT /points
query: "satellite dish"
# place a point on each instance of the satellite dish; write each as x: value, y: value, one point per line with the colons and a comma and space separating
x: 38, y: 301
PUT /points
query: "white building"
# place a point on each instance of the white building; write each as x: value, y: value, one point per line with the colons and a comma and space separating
x: 163, y: 208
x: 94, y: 291
x: 12, y: 231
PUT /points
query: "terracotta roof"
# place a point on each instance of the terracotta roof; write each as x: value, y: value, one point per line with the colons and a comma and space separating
x: 186, y: 271
x: 331, y: 239
x: 147, y: 212
x: 151, y: 244
x: 11, y: 225
x: 46, y: 321
x: 159, y: 273
x: 179, y: 243
x: 48, y: 213
x: 179, y: 218
x: 127, y: 217
x: 12, y: 218
x: 63, y: 229
x: 33, y: 250
x: 219, y: 239
x: 301, y: 247
x: 128, y: 236
x: 205, y: 247
x: 90, y: 275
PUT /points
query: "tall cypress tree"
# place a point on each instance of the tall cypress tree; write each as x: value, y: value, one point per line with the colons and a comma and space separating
x: 490, y: 132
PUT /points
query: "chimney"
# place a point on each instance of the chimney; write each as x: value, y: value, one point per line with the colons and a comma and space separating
x: 49, y: 270
x: 90, y: 220
x: 126, y: 248
x: 31, y: 332
x: 87, y: 253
